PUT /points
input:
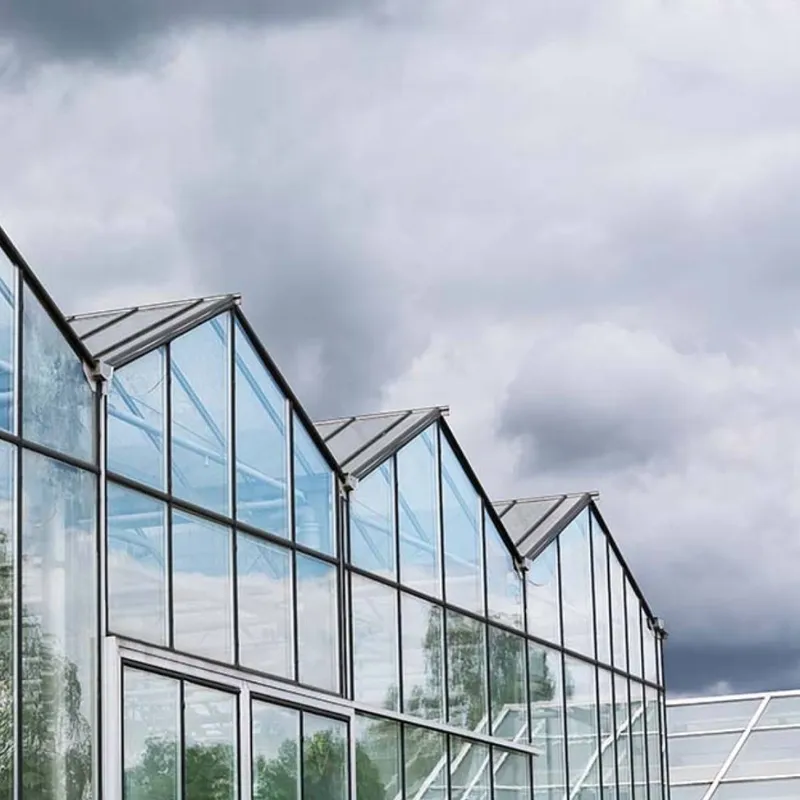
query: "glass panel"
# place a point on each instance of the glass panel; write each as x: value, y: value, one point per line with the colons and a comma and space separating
x: 754, y: 790
x: 544, y: 616
x: 137, y: 565
x: 576, y: 585
x: 276, y: 752
x: 699, y: 758
x: 262, y: 497
x: 639, y: 759
x: 8, y: 339
x: 634, y: 631
x: 601, y: 593
x: 314, y: 518
x: 466, y: 676
x: 325, y: 773
x: 623, y: 721
x: 503, y: 583
x: 654, y: 744
x: 768, y: 753
x: 264, y: 587
x: 375, y: 645
x: 426, y: 763
x: 137, y: 422
x: 357, y: 436
x: 508, y: 685
x: 7, y: 605
x: 716, y: 716
x: 200, y: 380
x: 512, y: 780
x: 372, y: 540
x: 582, y: 740
x: 420, y: 564
x: 649, y: 637
x: 608, y: 753
x: 210, y: 759
x: 50, y: 369
x: 781, y: 711
x: 202, y: 587
x: 59, y: 628
x: 698, y: 792
x: 470, y: 768
x: 379, y: 763
x: 151, y: 728
x: 317, y: 623
x: 547, y: 721
x: 463, y: 543
x: 619, y: 643
x: 422, y: 646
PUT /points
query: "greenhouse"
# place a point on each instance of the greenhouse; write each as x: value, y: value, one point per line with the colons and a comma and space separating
x: 736, y: 747
x: 206, y: 595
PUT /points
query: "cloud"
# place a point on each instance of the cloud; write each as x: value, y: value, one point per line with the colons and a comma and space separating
x: 574, y: 226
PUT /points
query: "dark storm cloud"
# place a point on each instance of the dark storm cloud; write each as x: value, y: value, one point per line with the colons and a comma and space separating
x: 96, y: 29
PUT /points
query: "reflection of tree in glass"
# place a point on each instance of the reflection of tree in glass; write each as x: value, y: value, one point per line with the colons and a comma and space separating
x: 56, y: 738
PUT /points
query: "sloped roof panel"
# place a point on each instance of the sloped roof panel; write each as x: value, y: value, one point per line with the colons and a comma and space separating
x: 120, y: 335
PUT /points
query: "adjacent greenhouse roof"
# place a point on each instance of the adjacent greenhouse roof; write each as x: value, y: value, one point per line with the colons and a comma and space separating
x: 737, y: 747
x: 532, y: 523
x: 361, y: 443
x: 123, y: 334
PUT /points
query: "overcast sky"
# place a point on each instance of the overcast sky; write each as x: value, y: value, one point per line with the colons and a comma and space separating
x: 574, y: 222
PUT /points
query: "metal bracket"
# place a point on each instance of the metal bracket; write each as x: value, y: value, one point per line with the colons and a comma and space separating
x: 350, y: 483
x: 100, y: 374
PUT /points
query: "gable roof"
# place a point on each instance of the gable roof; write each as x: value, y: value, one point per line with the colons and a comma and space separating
x: 120, y: 335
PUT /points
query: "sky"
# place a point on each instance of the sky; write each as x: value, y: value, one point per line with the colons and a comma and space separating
x: 572, y: 222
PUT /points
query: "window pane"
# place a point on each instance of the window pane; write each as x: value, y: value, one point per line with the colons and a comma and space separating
x: 426, y: 763
x: 649, y: 638
x: 623, y: 721
x: 137, y: 565
x: 512, y: 779
x: 639, y: 759
x: 752, y: 790
x: 463, y: 543
x: 720, y: 715
x: 470, y: 768
x: 582, y: 739
x: 503, y: 583
x: 200, y: 366
x: 698, y: 792
x: 59, y: 623
x: 608, y: 763
x: 261, y: 471
x: 325, y: 773
x: 317, y: 623
x: 51, y: 369
x: 699, y: 758
x: 619, y: 642
x: 276, y: 752
x: 202, y: 587
x: 768, y: 753
x: 136, y: 421
x: 507, y: 680
x: 544, y: 616
x: 420, y: 564
x: 547, y: 721
x: 314, y: 505
x: 601, y: 598
x: 264, y: 586
x: 781, y: 711
x: 8, y: 339
x: 422, y: 643
x: 379, y: 763
x: 151, y: 727
x: 576, y: 586
x: 375, y: 647
x: 654, y: 744
x: 7, y: 604
x: 372, y: 540
x: 634, y: 631
x: 210, y: 758
x: 466, y: 677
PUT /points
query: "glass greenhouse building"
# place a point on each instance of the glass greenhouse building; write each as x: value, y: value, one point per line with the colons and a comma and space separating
x: 204, y: 595
x: 737, y: 747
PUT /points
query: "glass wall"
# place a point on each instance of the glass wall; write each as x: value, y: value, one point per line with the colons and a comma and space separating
x: 536, y: 657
